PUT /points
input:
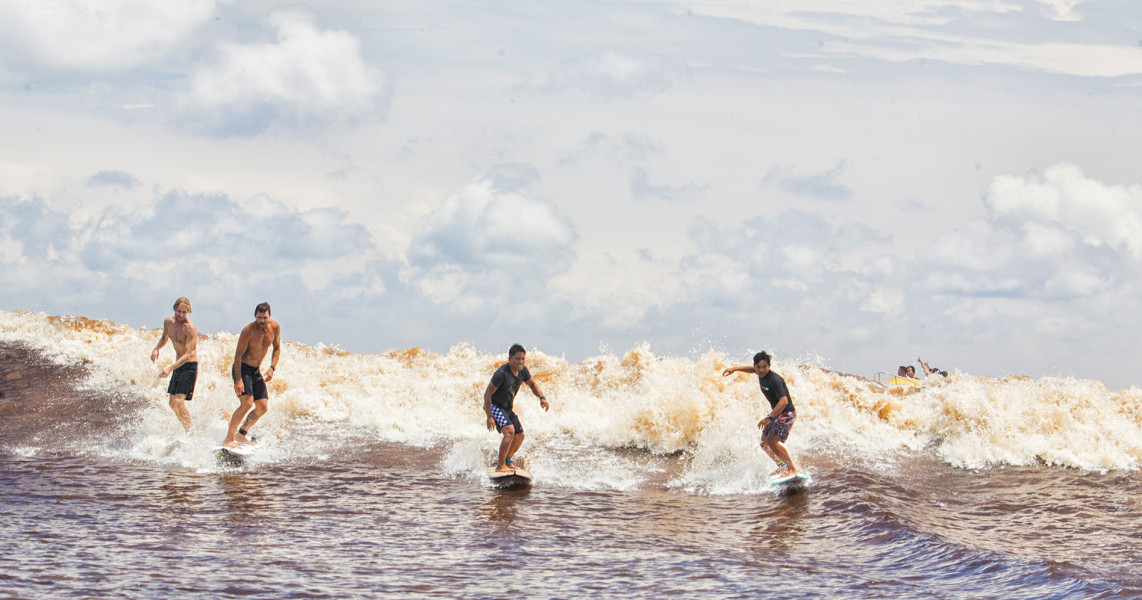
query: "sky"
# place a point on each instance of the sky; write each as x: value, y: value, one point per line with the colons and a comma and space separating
x: 846, y: 184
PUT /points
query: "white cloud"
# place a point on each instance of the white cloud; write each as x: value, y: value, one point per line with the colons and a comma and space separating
x: 614, y: 74
x: 1063, y: 10
x: 307, y: 76
x: 486, y: 229
x: 977, y: 246
x: 178, y: 227
x: 25, y: 180
x: 904, y: 30
x: 225, y: 255
x: 104, y: 34
x: 1058, y: 235
x: 803, y: 14
x: 1084, y: 60
x: 886, y: 300
x: 1063, y: 199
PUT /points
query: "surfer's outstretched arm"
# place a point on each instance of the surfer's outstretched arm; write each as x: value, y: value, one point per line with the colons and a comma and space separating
x: 538, y: 393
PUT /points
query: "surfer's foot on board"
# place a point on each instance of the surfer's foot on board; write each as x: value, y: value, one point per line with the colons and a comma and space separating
x: 505, y: 469
x: 234, y: 445
x: 245, y: 441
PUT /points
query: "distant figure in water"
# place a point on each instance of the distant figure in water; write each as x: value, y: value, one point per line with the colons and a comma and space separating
x: 928, y: 370
x: 498, y: 399
x: 781, y: 416
x: 249, y: 383
x: 184, y: 371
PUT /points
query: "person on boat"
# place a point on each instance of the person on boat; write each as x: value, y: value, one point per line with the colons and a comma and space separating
x: 928, y: 370
x: 781, y: 415
x: 910, y: 372
x: 498, y: 400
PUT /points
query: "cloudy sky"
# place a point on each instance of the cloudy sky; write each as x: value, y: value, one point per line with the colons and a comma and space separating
x: 851, y: 184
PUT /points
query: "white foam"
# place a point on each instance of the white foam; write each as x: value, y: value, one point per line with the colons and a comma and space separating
x: 603, y: 405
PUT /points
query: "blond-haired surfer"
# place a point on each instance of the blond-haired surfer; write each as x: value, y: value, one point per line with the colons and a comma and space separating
x: 249, y: 382
x: 781, y: 415
x: 184, y: 370
x: 498, y: 399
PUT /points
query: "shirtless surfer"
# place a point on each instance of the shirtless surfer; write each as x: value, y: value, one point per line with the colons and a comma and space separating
x: 498, y: 399
x: 184, y: 371
x: 249, y: 383
x: 781, y: 415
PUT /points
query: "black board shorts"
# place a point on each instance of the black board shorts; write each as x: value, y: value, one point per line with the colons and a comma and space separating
x: 252, y: 383
x: 183, y: 380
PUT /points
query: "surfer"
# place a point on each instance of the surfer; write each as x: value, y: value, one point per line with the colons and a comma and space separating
x: 249, y: 382
x: 781, y: 416
x: 184, y: 371
x: 498, y: 399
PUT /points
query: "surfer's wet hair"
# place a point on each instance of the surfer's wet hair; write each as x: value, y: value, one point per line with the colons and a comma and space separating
x: 262, y: 308
x: 760, y: 356
x: 183, y: 300
x: 515, y: 349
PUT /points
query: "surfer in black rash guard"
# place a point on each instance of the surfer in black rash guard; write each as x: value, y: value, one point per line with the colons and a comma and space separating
x: 498, y: 399
x: 781, y: 416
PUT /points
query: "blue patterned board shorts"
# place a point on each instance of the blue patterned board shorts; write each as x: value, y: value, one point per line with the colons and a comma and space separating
x: 504, y: 419
x: 780, y: 426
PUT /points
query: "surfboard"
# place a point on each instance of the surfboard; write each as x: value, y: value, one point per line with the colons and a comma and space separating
x: 234, y: 455
x: 516, y: 479
x: 799, y: 479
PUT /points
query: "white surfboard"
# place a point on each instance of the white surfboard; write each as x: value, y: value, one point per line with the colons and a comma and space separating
x: 799, y: 479
x: 234, y: 454
x: 515, y: 479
